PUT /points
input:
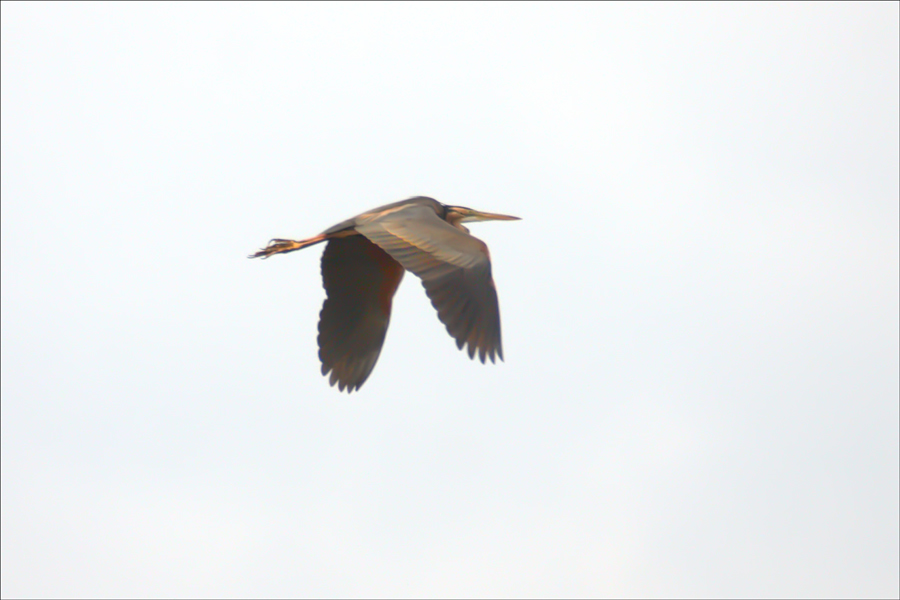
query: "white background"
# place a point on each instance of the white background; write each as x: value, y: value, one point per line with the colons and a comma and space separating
x: 700, y: 305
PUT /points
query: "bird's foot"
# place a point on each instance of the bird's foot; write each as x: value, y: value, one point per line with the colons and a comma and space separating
x: 276, y: 246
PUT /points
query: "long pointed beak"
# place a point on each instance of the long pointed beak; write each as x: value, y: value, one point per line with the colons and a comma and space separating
x: 486, y: 216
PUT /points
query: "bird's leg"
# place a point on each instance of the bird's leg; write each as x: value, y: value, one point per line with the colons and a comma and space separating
x: 277, y: 246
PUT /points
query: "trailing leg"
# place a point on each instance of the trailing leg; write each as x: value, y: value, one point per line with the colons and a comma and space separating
x: 277, y: 246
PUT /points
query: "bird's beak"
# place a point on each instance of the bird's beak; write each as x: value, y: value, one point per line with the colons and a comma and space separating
x: 475, y: 215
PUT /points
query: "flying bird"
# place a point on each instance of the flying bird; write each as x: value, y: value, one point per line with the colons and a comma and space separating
x: 363, y: 264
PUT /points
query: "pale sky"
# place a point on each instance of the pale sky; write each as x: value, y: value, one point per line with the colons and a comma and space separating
x: 700, y: 303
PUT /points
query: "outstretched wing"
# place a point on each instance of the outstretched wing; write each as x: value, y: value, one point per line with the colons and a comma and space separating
x: 455, y: 269
x: 360, y: 282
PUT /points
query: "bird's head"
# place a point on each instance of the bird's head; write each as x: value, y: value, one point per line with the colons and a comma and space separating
x: 461, y: 214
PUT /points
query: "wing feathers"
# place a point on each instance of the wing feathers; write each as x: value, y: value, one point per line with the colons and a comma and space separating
x: 455, y: 269
x: 360, y: 282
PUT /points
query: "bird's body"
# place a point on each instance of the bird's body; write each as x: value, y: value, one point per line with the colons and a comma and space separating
x: 364, y: 262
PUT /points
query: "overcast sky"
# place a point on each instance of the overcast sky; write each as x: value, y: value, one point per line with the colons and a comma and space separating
x: 700, y: 303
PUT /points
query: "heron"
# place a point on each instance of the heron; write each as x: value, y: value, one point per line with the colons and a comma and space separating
x: 362, y: 266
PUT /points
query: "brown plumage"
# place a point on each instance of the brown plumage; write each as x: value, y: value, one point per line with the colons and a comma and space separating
x: 364, y: 262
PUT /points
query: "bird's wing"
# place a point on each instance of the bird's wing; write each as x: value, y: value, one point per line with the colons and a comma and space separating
x: 455, y: 269
x: 360, y: 282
